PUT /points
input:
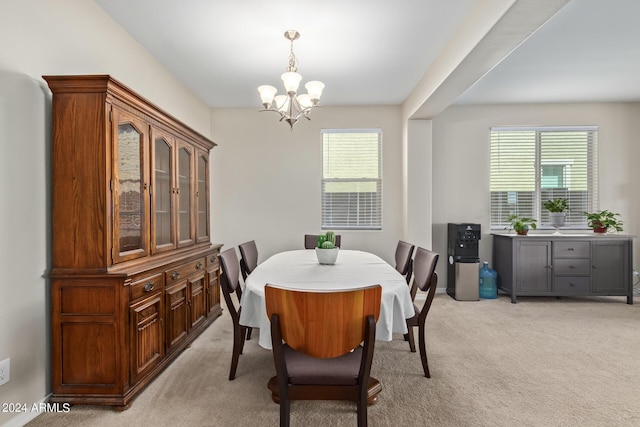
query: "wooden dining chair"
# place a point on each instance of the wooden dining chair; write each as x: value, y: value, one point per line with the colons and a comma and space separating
x: 323, y: 345
x: 248, y: 263
x: 248, y: 258
x: 425, y: 278
x: 311, y: 241
x: 404, y: 263
x: 230, y: 284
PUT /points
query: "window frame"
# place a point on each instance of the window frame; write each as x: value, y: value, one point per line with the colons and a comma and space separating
x: 376, y: 210
x: 590, y: 180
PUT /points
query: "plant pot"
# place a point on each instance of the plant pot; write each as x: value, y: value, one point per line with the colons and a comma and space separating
x: 522, y: 232
x: 327, y: 256
x: 557, y: 219
x: 598, y: 227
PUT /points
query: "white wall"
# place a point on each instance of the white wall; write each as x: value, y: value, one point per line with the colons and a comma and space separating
x: 266, y: 179
x: 461, y: 161
x: 43, y: 37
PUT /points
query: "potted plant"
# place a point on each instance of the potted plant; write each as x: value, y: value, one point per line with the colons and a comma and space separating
x: 326, y: 250
x: 603, y: 221
x: 556, y: 208
x: 521, y: 224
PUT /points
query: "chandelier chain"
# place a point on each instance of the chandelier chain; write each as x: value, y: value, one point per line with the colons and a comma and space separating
x: 292, y: 60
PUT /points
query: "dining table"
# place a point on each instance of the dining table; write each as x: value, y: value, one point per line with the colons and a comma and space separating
x: 300, y: 270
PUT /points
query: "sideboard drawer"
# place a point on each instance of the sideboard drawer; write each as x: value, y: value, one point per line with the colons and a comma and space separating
x: 147, y: 286
x: 569, y: 285
x: 182, y: 271
x: 571, y: 249
x: 572, y: 267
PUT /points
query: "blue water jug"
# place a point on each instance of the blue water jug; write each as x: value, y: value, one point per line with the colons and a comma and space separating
x: 488, y: 282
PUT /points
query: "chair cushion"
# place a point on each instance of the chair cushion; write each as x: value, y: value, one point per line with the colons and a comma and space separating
x: 307, y: 370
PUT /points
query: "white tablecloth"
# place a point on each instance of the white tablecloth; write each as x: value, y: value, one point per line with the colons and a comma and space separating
x: 300, y: 270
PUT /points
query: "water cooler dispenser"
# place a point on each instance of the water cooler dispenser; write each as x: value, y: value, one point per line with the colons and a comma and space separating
x: 463, y: 264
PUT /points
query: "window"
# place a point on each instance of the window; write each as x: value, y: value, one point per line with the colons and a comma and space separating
x: 532, y: 165
x: 351, y: 179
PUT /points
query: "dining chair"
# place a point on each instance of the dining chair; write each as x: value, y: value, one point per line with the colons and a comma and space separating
x: 328, y: 359
x: 425, y: 278
x: 248, y: 258
x: 248, y: 263
x: 311, y: 241
x: 404, y: 263
x: 230, y: 284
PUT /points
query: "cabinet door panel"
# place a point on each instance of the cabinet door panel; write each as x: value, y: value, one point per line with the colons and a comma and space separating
x: 162, y: 196
x: 533, y: 264
x: 186, y: 226
x: 610, y: 270
x: 198, y: 299
x: 147, y: 336
x: 177, y: 307
x: 130, y: 182
x: 202, y: 201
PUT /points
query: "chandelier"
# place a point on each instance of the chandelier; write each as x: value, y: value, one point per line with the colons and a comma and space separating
x: 291, y: 106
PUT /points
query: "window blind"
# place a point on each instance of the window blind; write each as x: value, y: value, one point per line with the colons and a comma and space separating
x: 532, y: 165
x: 351, y: 179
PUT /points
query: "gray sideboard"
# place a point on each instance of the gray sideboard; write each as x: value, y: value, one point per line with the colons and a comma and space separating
x: 564, y: 265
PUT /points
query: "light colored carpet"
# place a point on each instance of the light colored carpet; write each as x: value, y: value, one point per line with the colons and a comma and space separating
x: 541, y: 362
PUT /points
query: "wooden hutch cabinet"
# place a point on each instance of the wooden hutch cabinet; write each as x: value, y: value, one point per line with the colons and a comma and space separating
x: 135, y: 277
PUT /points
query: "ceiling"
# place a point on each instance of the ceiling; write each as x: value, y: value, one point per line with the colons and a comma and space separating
x: 223, y: 50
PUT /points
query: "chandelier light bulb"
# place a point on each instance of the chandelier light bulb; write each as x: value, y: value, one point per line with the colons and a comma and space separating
x: 291, y: 81
x: 314, y: 89
x: 266, y: 94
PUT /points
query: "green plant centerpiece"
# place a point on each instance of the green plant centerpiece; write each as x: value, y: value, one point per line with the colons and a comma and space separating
x: 557, y: 215
x: 603, y: 221
x: 326, y: 250
x: 521, y: 224
x: 556, y: 205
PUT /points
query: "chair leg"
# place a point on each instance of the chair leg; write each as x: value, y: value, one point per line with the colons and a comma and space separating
x: 249, y: 333
x: 238, y: 344
x: 423, y: 351
x: 412, y: 342
x: 285, y: 410
x: 243, y: 334
x: 362, y: 412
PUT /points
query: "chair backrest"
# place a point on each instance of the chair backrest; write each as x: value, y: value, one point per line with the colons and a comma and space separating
x: 425, y: 277
x: 311, y: 240
x: 249, y: 258
x: 343, y: 317
x: 230, y: 279
x: 404, y: 252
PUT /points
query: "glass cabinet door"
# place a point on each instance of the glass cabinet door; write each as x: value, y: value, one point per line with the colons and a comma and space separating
x: 202, y: 189
x: 185, y: 173
x: 162, y: 200
x: 129, y: 188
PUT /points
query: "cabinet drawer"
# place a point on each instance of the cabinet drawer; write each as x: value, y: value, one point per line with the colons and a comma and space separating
x: 213, y: 263
x: 569, y: 285
x: 184, y: 270
x: 146, y: 286
x: 572, y: 267
x: 571, y: 249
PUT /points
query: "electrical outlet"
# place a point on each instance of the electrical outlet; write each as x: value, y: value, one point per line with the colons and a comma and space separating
x: 5, y: 370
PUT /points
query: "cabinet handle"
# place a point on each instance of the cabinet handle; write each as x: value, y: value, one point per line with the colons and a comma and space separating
x: 569, y: 249
x: 212, y: 259
x: 572, y: 284
x: 594, y: 267
x: 571, y: 266
x: 198, y: 265
x: 149, y: 286
x: 175, y: 275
